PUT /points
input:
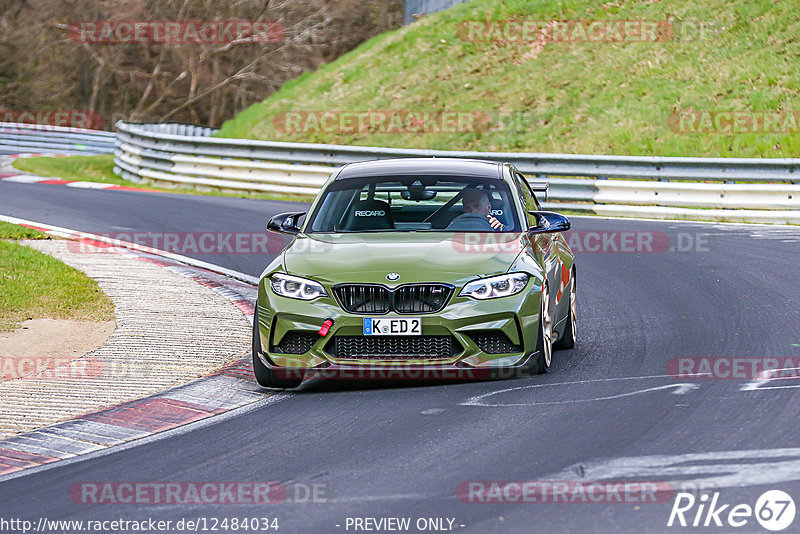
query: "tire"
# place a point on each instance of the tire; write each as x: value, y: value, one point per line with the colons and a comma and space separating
x: 567, y: 341
x: 544, y: 344
x: 264, y: 375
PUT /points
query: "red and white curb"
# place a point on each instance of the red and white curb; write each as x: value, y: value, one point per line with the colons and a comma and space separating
x: 226, y: 390
x: 229, y: 390
x: 33, y: 179
x: 10, y: 157
x: 9, y: 174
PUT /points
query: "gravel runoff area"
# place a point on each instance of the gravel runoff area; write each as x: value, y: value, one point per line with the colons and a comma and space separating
x: 170, y: 330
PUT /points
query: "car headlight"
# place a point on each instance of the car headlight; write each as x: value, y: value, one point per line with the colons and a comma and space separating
x: 496, y: 286
x: 295, y: 287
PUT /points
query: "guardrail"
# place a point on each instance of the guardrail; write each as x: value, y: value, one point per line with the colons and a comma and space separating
x: 719, y: 189
x: 742, y: 190
x: 20, y: 138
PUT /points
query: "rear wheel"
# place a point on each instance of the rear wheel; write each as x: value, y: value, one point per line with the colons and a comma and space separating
x: 264, y: 375
x: 567, y: 341
x: 544, y: 345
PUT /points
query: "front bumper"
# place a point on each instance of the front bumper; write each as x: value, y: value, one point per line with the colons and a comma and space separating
x: 462, y: 318
x: 373, y: 371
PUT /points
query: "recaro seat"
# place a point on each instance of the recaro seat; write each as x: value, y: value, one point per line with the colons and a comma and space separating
x: 369, y: 214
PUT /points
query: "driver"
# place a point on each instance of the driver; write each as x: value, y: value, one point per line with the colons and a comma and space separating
x: 477, y: 213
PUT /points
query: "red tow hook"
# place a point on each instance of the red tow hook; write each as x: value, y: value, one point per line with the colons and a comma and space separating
x: 326, y: 327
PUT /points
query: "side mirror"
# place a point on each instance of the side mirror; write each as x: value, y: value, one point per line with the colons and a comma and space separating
x: 285, y: 223
x: 549, y: 222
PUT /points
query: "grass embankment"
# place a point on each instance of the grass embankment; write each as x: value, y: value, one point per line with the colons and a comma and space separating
x: 100, y: 168
x: 574, y: 97
x: 34, y: 285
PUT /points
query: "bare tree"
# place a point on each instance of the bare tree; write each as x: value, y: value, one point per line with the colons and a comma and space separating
x: 41, y: 67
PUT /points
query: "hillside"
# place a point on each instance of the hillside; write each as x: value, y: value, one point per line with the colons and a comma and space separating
x: 559, y: 90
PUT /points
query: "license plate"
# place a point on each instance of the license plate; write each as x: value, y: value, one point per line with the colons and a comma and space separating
x: 393, y: 326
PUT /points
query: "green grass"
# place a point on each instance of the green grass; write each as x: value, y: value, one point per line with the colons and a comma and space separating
x: 34, y: 285
x: 101, y: 169
x: 83, y: 168
x: 15, y: 232
x: 604, y: 98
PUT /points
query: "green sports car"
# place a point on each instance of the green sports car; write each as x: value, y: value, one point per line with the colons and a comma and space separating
x: 416, y: 268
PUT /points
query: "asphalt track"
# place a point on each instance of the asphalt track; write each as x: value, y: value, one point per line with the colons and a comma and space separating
x: 607, y: 410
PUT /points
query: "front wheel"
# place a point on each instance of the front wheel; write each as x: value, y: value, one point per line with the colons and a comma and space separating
x: 544, y: 345
x: 264, y: 375
x: 567, y: 341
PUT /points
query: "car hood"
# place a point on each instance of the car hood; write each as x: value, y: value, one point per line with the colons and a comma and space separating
x: 415, y: 256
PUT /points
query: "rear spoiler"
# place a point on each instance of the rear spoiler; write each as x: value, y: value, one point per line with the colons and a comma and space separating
x: 540, y: 187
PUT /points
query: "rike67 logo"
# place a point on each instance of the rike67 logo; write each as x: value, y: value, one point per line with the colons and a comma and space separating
x: 774, y: 510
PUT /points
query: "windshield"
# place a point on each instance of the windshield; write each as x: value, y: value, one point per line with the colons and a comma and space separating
x: 415, y: 204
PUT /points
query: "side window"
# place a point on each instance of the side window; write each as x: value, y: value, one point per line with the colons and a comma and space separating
x: 527, y: 196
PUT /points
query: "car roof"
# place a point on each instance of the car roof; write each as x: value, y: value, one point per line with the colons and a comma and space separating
x: 423, y: 166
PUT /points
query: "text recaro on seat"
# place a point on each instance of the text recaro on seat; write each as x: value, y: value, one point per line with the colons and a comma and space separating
x: 369, y: 214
